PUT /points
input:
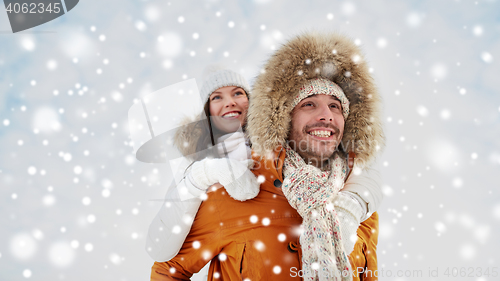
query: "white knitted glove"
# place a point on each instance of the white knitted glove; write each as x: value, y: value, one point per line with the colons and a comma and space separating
x: 365, y: 186
x: 235, y: 175
x: 349, y: 213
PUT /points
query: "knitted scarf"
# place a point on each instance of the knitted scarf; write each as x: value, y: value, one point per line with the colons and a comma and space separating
x: 312, y: 193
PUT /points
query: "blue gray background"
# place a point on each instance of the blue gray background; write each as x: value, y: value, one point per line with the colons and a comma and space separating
x: 75, y: 204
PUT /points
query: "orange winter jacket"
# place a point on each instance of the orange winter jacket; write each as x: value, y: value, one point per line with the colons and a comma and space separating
x: 255, y: 239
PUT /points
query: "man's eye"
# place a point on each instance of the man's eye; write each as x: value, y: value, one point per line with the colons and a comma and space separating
x: 308, y: 104
x: 335, y: 105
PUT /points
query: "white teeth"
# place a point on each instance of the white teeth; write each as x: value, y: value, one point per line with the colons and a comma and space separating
x: 232, y: 114
x: 323, y: 134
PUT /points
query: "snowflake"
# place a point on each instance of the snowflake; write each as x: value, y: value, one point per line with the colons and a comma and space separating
x: 89, y: 247
x: 27, y: 273
x: 61, y: 254
x: 276, y: 269
x: 254, y: 219
x: 281, y: 237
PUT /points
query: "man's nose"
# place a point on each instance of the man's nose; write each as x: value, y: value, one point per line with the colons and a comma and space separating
x: 324, y: 113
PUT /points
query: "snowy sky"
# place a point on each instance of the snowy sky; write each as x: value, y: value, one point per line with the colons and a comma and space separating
x: 75, y: 204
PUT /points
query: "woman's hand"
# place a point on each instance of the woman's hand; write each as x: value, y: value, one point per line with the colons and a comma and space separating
x: 240, y: 183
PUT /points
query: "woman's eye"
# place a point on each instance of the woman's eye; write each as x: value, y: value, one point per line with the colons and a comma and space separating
x: 215, y: 97
x: 238, y: 93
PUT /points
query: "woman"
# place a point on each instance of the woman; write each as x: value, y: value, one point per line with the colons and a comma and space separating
x: 220, y: 154
x: 254, y: 238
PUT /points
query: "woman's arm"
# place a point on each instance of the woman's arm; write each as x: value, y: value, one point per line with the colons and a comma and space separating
x: 200, y: 246
x: 170, y: 227
x: 365, y: 186
x: 172, y: 223
x: 356, y: 202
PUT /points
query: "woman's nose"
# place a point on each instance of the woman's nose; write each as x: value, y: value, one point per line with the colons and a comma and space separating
x: 230, y: 102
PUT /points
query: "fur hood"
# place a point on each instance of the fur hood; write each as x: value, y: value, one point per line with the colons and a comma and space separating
x: 187, y: 136
x: 307, y: 56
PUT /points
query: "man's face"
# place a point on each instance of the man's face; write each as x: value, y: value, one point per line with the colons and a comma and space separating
x: 317, y: 128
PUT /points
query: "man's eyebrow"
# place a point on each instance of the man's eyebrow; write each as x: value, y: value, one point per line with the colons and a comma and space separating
x: 335, y: 98
x: 314, y: 95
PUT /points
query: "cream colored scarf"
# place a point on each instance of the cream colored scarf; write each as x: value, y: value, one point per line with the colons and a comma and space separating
x: 312, y: 193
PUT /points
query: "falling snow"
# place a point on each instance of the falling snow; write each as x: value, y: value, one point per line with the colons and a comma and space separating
x: 76, y: 199
x: 414, y: 19
x: 487, y: 57
x: 23, y: 246
x: 61, y: 254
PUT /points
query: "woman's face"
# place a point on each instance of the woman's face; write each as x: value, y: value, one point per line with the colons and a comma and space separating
x: 228, y: 108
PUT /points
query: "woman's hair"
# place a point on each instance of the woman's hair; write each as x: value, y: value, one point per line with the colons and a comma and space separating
x: 207, y: 136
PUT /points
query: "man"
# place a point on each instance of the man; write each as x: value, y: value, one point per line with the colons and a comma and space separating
x: 314, y: 102
x: 317, y: 99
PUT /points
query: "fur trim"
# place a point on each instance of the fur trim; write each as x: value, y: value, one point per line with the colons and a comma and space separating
x: 307, y: 56
x: 187, y: 136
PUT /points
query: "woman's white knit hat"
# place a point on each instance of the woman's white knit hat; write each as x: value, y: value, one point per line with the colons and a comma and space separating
x: 223, y: 78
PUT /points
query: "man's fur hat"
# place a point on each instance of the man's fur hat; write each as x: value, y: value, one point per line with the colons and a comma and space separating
x: 307, y: 56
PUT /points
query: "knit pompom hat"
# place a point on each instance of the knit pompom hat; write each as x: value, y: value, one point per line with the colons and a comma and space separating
x: 321, y: 86
x: 218, y: 78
